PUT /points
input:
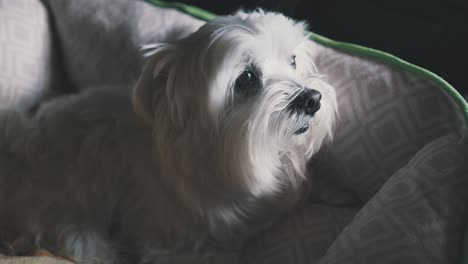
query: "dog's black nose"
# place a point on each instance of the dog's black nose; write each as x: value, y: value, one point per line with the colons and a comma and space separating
x: 307, y: 102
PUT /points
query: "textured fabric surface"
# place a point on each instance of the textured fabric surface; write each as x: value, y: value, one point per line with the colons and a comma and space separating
x: 418, y: 216
x: 101, y: 39
x: 25, y: 53
x: 302, y: 237
x: 392, y: 154
x: 386, y: 116
x: 32, y: 260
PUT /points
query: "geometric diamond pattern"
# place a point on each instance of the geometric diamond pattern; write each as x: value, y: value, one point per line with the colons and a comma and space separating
x: 386, y: 115
x: 417, y: 216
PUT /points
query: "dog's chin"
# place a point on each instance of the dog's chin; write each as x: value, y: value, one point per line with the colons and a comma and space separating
x: 303, y: 125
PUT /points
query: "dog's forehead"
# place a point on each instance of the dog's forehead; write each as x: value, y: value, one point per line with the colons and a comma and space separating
x: 262, y: 34
x: 276, y: 25
x: 274, y: 33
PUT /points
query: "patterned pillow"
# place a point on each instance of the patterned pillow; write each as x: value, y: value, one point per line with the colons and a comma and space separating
x: 387, y: 114
x: 101, y: 39
x: 25, y: 54
x: 419, y: 215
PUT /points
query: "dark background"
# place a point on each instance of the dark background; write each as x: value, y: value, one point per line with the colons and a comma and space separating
x: 430, y: 33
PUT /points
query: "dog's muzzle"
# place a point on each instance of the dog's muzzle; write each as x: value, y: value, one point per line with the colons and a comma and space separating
x: 306, y: 103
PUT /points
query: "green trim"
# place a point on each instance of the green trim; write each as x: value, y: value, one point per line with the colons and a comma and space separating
x: 345, y: 47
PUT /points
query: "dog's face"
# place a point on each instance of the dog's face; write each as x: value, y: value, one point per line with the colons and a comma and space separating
x: 240, y: 98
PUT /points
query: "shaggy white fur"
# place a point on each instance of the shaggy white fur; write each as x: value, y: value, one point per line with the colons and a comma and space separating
x: 224, y: 123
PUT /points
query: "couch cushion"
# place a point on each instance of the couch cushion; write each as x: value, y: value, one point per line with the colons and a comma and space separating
x: 26, y: 67
x: 302, y: 237
x: 387, y: 114
x: 101, y: 40
x: 419, y: 214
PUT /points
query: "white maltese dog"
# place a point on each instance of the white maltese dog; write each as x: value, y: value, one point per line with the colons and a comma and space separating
x: 212, y: 145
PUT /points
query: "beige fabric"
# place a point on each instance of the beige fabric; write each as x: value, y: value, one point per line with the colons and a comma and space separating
x: 386, y: 113
x: 419, y: 216
x: 32, y: 260
x: 101, y: 39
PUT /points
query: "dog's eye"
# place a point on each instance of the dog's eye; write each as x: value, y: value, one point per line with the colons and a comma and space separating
x: 246, y: 78
x: 247, y: 83
x: 293, y: 61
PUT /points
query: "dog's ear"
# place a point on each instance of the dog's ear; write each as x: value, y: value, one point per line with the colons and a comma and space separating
x: 153, y: 80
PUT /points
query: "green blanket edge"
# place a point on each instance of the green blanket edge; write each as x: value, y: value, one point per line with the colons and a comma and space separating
x: 344, y: 47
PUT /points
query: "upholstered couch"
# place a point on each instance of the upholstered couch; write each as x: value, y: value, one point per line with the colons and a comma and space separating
x: 391, y: 188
